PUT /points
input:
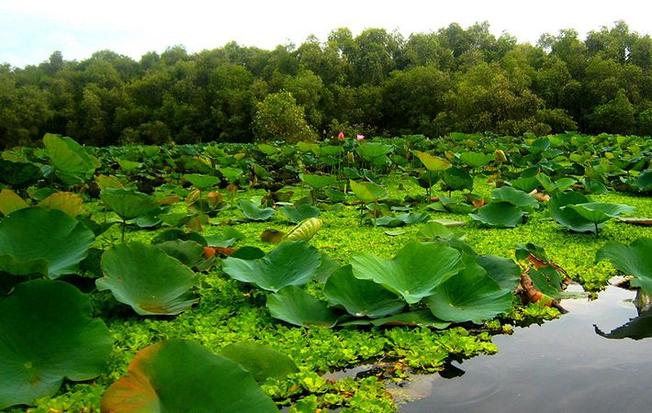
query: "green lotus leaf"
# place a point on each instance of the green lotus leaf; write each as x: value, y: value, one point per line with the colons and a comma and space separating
x: 361, y: 298
x: 414, y: 272
x: 42, y: 241
x: 304, y: 230
x: 290, y: 263
x: 295, y: 306
x: 635, y: 260
x: 547, y: 280
x: 71, y: 162
x: 470, y: 295
x: 18, y: 174
x: 643, y: 182
x: 128, y: 166
x: 202, y: 181
x: 296, y: 214
x: 371, y: 151
x: 147, y: 279
x: 262, y: 362
x: 432, y: 163
x: 129, y: 204
x: 318, y: 181
x: 254, y: 212
x: 231, y: 174
x: 502, y: 270
x: 401, y: 220
x: 422, y: 318
x: 568, y: 217
x: 499, y: 214
x: 457, y: 179
x: 189, y: 252
x: 515, y: 197
x: 476, y: 159
x: 48, y: 334
x: 10, y: 202
x: 368, y: 191
x: 598, y: 212
x: 182, y: 376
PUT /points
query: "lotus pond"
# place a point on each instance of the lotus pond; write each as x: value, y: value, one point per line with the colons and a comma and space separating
x: 181, y: 278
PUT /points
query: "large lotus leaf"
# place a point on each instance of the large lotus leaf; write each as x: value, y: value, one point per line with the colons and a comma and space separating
x: 476, y: 159
x: 361, y: 298
x: 471, y: 295
x: 47, y: 334
x: 10, y: 202
x: 254, y: 212
x: 202, y: 181
x: 415, y: 271
x: 368, y: 191
x: 598, y: 212
x: 290, y: 263
x: 457, y: 179
x: 318, y: 181
x: 182, y: 376
x: 231, y: 174
x: 70, y: 160
x: 262, y: 362
x: 295, y: 306
x: 502, y: 270
x: 189, y: 252
x: 499, y: 214
x: 128, y: 204
x: 147, y: 279
x: 635, y: 260
x: 18, y: 173
x: 515, y: 197
x: 42, y: 241
x: 401, y: 220
x: 423, y: 318
x: 369, y: 151
x: 296, y: 214
x: 643, y: 182
x: 567, y: 217
x: 68, y: 202
x: 432, y: 163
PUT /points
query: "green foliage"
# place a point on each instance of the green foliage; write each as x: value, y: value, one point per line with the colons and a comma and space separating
x: 147, y: 279
x: 254, y: 212
x: 42, y: 241
x: 262, y: 362
x: 71, y: 162
x: 295, y: 306
x: 278, y: 117
x: 47, y: 335
x: 634, y: 260
x: 178, y: 375
x: 499, y: 214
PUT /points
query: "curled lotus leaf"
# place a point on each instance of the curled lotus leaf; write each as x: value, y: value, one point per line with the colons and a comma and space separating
x: 182, y: 376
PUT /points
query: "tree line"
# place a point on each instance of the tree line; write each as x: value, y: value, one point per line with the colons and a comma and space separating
x: 376, y: 83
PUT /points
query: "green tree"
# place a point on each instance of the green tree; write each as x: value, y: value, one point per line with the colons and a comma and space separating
x: 279, y: 117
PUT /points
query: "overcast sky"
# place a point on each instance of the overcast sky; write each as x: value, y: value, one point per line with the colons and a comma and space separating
x: 31, y: 30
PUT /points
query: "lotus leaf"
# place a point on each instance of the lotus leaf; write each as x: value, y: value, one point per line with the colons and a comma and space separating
x: 70, y: 160
x: 476, y: 159
x: 401, y: 220
x: 374, y: 152
x: 499, y: 214
x: 68, y: 202
x: 202, y: 181
x: 598, y: 212
x: 415, y: 271
x: 129, y: 204
x: 296, y: 214
x: 295, y: 306
x: 147, y: 279
x: 254, y: 212
x: 47, y: 335
x: 432, y: 163
x: 42, y: 241
x: 318, y: 181
x: 471, y: 295
x: 635, y: 260
x: 290, y: 263
x: 422, y: 318
x: 231, y: 174
x: 368, y: 191
x: 189, y: 252
x: 182, y: 376
x: 305, y: 230
x: 547, y: 280
x: 18, y: 173
x: 502, y: 270
x: 457, y: 179
x: 515, y: 197
x: 10, y: 202
x: 262, y: 362
x: 568, y: 217
x: 361, y: 298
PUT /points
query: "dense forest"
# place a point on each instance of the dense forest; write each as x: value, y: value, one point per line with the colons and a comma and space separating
x: 376, y: 83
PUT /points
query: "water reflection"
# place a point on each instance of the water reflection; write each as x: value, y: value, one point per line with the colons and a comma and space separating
x: 561, y: 366
x: 637, y: 328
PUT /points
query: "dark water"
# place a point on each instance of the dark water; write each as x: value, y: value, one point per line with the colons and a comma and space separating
x: 565, y: 365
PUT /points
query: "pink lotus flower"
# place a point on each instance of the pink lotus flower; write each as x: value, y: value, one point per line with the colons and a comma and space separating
x: 359, y: 137
x: 340, y: 136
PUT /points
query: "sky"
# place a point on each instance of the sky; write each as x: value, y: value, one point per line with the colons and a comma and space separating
x: 30, y: 30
